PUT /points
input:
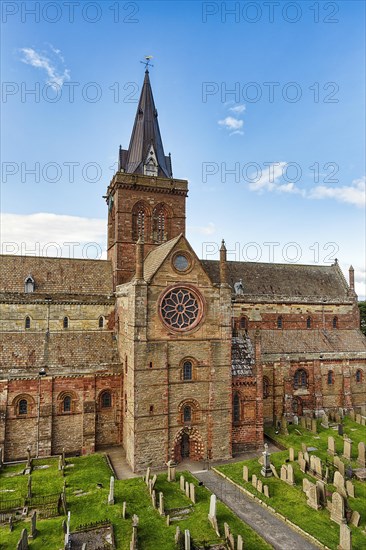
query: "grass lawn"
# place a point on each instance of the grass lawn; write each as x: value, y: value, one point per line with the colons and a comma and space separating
x: 291, y: 501
x: 83, y: 474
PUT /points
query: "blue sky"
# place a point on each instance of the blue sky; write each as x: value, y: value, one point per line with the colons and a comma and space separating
x: 274, y: 93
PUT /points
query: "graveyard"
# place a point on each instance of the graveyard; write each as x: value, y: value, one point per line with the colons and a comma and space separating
x: 77, y: 499
x: 317, y: 482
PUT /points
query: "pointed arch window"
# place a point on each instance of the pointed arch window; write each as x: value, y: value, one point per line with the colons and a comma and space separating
x: 65, y: 322
x: 244, y: 323
x: 330, y: 377
x: 27, y: 322
x: 359, y: 376
x: 300, y: 379
x: 106, y: 400
x: 139, y: 222
x: 161, y: 223
x: 29, y: 284
x: 101, y: 322
x: 66, y: 404
x: 279, y: 322
x: 308, y: 322
x: 335, y: 322
x: 236, y: 407
x: 265, y: 387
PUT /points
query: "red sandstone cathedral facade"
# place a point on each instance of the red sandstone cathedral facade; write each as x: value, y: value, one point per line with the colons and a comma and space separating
x: 169, y: 355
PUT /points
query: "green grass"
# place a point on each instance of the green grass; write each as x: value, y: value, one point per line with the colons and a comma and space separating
x: 84, y: 475
x: 291, y: 501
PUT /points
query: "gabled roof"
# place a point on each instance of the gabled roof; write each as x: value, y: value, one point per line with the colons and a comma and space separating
x: 145, y: 133
x: 283, y: 280
x: 157, y: 256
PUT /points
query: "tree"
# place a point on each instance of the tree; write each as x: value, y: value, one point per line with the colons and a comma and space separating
x: 362, y: 306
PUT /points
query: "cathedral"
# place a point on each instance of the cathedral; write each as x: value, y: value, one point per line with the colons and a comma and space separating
x: 158, y: 351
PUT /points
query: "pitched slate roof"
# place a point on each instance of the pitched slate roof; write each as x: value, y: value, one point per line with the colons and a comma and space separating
x: 56, y: 275
x: 287, y: 280
x: 312, y: 341
x: 145, y: 133
x: 156, y: 257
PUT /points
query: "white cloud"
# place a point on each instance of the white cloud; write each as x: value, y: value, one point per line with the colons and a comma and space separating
x: 269, y: 180
x: 47, y: 234
x: 56, y: 76
x: 208, y: 229
x: 231, y: 123
x: 238, y: 109
x: 352, y: 194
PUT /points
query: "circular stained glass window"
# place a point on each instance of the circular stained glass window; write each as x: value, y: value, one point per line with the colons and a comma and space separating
x: 180, y: 309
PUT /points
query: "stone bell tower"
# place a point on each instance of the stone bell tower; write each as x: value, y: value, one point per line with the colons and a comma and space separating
x: 144, y: 200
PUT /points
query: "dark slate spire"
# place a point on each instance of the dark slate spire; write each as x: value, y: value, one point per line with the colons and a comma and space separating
x: 145, y: 154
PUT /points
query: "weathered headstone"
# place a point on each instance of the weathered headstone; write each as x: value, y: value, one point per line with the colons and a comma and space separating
x: 168, y: 520
x: 153, y: 498
x: 303, y: 422
x: 358, y: 418
x: 171, y: 470
x: 325, y: 421
x: 290, y: 475
x: 339, y: 464
x: 283, y: 473
x: 352, y: 414
x: 266, y: 470
x: 350, y: 488
x: 161, y: 503
x: 153, y: 481
x: 296, y: 420
x: 347, y: 449
x: 254, y: 481
x: 266, y: 491
x: 312, y: 497
x: 67, y: 534
x: 361, y: 457
x: 306, y: 484
x: 33, y: 529
x: 337, y: 514
x: 23, y: 541
x: 355, y: 518
x: 314, y: 427
x: 284, y: 428
x: 192, y: 492
x: 331, y: 446
x: 11, y: 526
x: 182, y: 483
x: 124, y: 509
x: 135, y: 523
x: 177, y: 535
x: 345, y: 538
x: 212, y: 514
x: 111, y: 491
x: 291, y: 453
x: 340, y: 429
x: 245, y: 473
x: 320, y: 487
x: 29, y: 493
x: 307, y: 458
x: 187, y: 540
x: 339, y: 484
x: 240, y: 543
x: 259, y: 486
x: 273, y: 470
x: 187, y: 489
x: 317, y: 464
x: 147, y: 476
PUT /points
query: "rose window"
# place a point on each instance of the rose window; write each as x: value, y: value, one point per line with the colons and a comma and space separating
x: 180, y: 308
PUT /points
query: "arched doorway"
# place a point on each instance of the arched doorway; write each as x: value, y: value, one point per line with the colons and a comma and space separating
x: 184, y: 446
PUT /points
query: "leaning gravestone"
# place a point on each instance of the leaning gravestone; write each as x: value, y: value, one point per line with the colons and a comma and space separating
x: 312, y: 496
x: 355, y: 518
x: 266, y: 491
x: 320, y: 488
x: 331, y: 446
x: 23, y: 541
x: 339, y: 484
x: 347, y: 449
x: 350, y: 488
x: 291, y: 453
x: 212, y: 514
x: 259, y: 486
x: 254, y: 481
x: 33, y: 531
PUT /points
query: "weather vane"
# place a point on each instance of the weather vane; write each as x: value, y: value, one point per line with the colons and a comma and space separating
x: 147, y: 64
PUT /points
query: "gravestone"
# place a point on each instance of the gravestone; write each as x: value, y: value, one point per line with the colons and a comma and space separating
x: 308, y: 423
x: 168, y: 520
x: 361, y: 460
x: 124, y: 509
x: 331, y: 446
x: 67, y: 534
x: 283, y: 473
x: 245, y: 473
x: 307, y: 458
x: 153, y: 481
x: 240, y: 543
x: 312, y: 497
x: 317, y: 466
x: 290, y: 475
x: 150, y: 486
x: 358, y: 418
x: 339, y: 484
x: 161, y: 503
x: 339, y: 464
x: 182, y: 483
x: 347, y: 449
x: 352, y: 414
x: 259, y: 486
x: 254, y: 481
x: 135, y: 523
x: 350, y: 488
x: 11, y: 526
x: 266, y: 491
x: 337, y: 514
x: 266, y: 468
x: 147, y: 476
x: 345, y: 538
x: 187, y: 489
x: 273, y: 470
x: 303, y: 422
x: 284, y: 428
x: 153, y: 498
x: 28, y: 467
x: 306, y: 484
x: 355, y: 518
x: 29, y: 493
x: 296, y: 420
x: 212, y: 514
x: 192, y: 492
x: 187, y: 540
x: 300, y: 456
x: 60, y: 463
x: 320, y: 487
x: 325, y: 421
x: 340, y: 429
x: 171, y: 470
x: 314, y: 427
x: 111, y: 491
x: 23, y: 541
x: 291, y: 453
x: 177, y: 535
x: 33, y: 530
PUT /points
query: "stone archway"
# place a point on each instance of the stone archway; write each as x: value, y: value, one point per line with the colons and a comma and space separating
x: 188, y: 443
